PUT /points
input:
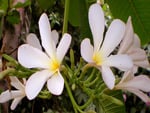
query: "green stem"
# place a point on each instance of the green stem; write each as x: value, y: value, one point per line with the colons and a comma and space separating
x: 87, y: 103
x: 90, y: 76
x: 10, y: 59
x: 72, y: 59
x: 90, y: 83
x: 84, y: 70
x: 65, y: 24
x: 75, y: 106
x: 6, y: 72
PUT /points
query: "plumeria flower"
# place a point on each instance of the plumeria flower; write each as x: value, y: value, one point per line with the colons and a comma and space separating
x: 31, y: 56
x: 131, y: 45
x: 17, y: 94
x: 100, y: 55
x: 135, y: 84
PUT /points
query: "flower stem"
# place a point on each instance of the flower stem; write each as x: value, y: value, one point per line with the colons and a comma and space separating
x: 90, y: 76
x: 87, y: 103
x: 10, y: 59
x: 75, y: 106
x: 90, y: 83
x: 84, y: 70
x: 65, y: 24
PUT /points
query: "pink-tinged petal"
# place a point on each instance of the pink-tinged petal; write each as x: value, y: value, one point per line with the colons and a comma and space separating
x: 16, y: 83
x: 137, y: 42
x: 141, y: 82
x: 63, y: 46
x: 36, y: 82
x: 55, y: 36
x: 87, y: 50
x: 96, y: 22
x: 31, y: 57
x: 128, y: 75
x: 108, y: 77
x: 46, y: 36
x: 137, y: 54
x: 113, y: 36
x: 140, y: 94
x: 122, y: 62
x: 127, y: 41
x: 15, y: 102
x: 34, y: 41
x: 56, y: 84
x: 144, y: 63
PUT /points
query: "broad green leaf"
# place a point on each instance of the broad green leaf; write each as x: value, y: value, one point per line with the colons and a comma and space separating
x: 139, y: 10
x: 110, y: 103
x: 74, y: 15
x: 46, y: 4
x: 78, y: 16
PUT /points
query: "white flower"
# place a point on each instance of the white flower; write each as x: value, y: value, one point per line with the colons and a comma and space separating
x: 31, y: 56
x: 100, y: 55
x: 17, y: 95
x: 131, y: 45
x: 135, y: 84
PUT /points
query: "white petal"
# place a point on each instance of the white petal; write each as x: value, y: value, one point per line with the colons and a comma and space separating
x: 122, y: 62
x: 63, y: 46
x: 113, y: 36
x: 34, y: 41
x: 87, y: 50
x: 15, y: 102
x: 31, y: 57
x: 108, y: 77
x: 141, y: 82
x: 55, y: 36
x: 8, y: 95
x: 17, y: 93
x: 96, y: 21
x: 128, y: 38
x: 46, y: 36
x: 16, y: 83
x: 36, y: 82
x: 140, y: 94
x: 5, y: 96
x: 56, y: 84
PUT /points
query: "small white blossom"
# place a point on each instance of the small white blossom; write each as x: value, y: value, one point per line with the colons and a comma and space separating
x: 31, y: 56
x: 99, y: 55
x: 135, y: 84
x: 131, y: 45
x: 17, y: 94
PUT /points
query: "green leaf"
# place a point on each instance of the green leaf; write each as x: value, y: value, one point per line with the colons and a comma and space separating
x: 74, y: 15
x: 21, y: 5
x: 3, y: 6
x: 110, y: 103
x: 13, y: 17
x: 139, y: 10
x: 78, y: 16
x: 46, y: 4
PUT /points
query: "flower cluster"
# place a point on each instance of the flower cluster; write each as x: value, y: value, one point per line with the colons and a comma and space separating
x: 118, y: 48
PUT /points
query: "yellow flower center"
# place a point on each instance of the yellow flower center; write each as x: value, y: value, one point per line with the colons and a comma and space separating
x: 54, y: 65
x: 97, y: 58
